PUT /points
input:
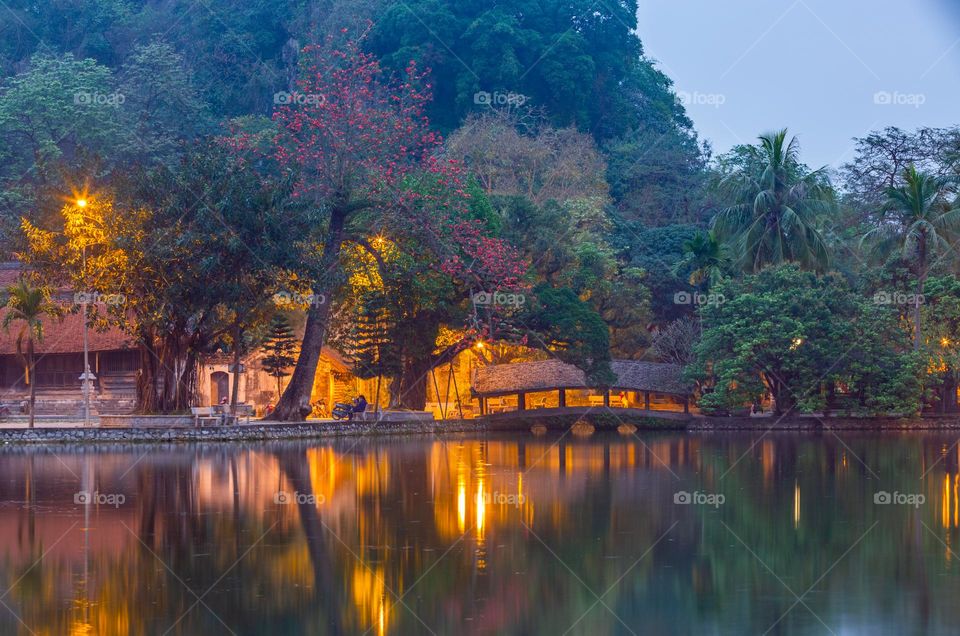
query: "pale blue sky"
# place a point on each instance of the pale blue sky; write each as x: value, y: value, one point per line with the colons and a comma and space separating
x: 814, y: 66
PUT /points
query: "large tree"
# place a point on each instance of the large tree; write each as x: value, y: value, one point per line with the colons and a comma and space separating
x: 921, y: 223
x: 365, y: 156
x: 773, y: 203
x: 805, y: 339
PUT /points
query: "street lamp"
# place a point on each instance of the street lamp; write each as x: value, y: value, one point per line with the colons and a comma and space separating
x: 86, y: 378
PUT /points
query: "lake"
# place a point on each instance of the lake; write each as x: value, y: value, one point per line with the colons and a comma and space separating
x: 665, y: 533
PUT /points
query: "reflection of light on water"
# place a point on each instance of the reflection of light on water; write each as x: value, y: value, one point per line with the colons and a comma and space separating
x: 950, y: 518
x: 481, y: 509
x: 796, y: 504
x: 461, y: 502
x: 370, y: 597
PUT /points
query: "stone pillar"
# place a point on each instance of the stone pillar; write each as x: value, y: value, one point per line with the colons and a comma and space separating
x: 521, y: 401
x: 563, y: 398
x: 646, y: 400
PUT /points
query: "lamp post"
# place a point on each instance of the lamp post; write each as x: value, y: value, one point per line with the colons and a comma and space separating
x: 86, y: 378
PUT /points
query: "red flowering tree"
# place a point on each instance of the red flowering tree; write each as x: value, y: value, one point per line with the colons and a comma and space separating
x: 366, y: 162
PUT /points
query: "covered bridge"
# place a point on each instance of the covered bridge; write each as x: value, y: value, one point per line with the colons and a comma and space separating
x: 555, y: 384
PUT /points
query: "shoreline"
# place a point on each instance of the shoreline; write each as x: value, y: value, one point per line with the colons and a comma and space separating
x: 601, y: 421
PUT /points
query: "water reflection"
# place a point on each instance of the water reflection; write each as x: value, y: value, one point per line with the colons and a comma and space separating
x: 493, y: 535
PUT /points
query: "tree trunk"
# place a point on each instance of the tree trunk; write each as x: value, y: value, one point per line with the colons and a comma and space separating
x: 294, y: 404
x: 237, y: 335
x: 921, y: 280
x: 412, y: 390
x: 32, y: 364
x: 948, y: 398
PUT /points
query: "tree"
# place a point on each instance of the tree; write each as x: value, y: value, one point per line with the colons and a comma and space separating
x: 58, y: 119
x: 162, y: 107
x: 197, y: 251
x: 510, y: 156
x: 658, y: 175
x: 705, y: 261
x: 803, y: 338
x: 883, y: 156
x: 363, y: 149
x: 922, y: 223
x: 773, y: 204
x: 280, y: 349
x: 27, y: 305
x: 674, y: 343
x: 581, y: 62
x: 406, y: 315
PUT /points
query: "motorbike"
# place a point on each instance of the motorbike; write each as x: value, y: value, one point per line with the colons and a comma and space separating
x: 342, y: 411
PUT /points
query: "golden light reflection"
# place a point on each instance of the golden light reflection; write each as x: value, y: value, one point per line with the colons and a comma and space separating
x: 481, y: 510
x: 796, y: 504
x: 370, y: 597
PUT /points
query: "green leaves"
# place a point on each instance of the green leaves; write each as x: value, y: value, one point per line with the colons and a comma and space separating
x: 773, y: 205
x: 808, y: 338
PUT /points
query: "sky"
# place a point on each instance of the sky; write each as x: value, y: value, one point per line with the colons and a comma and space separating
x: 829, y: 70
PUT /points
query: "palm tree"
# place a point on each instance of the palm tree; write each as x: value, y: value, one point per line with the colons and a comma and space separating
x: 775, y: 204
x: 706, y: 260
x: 921, y: 224
x: 27, y: 305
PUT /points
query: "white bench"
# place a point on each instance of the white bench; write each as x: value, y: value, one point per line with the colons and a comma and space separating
x: 241, y: 410
x: 206, y: 413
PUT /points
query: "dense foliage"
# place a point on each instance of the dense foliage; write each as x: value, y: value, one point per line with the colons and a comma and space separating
x: 376, y: 176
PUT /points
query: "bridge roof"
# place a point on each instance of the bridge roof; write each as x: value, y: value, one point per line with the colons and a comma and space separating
x: 546, y: 375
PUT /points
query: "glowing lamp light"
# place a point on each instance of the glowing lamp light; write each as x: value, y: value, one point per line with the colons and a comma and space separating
x: 479, y: 344
x: 81, y: 203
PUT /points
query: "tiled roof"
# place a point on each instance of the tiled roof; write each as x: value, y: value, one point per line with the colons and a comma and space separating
x: 66, y: 336
x: 544, y: 375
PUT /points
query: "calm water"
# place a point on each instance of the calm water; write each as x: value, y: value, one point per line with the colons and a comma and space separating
x: 520, y: 535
